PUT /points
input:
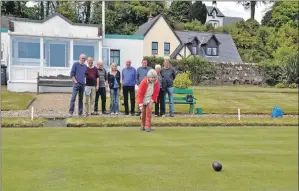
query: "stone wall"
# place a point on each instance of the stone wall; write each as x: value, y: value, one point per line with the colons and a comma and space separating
x: 234, y: 74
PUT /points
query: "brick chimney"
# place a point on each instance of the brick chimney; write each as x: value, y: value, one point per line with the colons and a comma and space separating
x: 149, y: 17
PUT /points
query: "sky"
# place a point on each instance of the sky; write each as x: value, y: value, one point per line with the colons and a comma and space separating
x: 232, y: 9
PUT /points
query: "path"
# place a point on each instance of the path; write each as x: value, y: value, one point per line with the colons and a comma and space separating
x: 56, y: 105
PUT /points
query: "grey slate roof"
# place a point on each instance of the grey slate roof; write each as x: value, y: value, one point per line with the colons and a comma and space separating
x: 227, y: 49
x: 143, y: 29
x: 207, y: 38
x: 177, y: 50
x: 218, y: 12
x: 5, y: 20
x: 231, y: 20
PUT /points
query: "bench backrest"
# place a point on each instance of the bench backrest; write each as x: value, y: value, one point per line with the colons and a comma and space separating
x: 182, y: 91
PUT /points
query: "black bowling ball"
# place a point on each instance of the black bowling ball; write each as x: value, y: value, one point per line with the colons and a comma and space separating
x: 217, y: 166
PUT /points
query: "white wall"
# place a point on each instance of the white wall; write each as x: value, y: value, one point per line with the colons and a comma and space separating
x: 130, y: 49
x: 220, y: 19
x: 56, y: 26
x: 5, y: 43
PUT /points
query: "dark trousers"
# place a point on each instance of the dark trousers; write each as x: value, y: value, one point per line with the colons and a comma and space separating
x: 129, y: 90
x: 161, y: 104
x: 101, y: 92
x: 77, y: 89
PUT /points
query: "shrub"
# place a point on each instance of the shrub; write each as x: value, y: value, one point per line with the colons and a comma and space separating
x: 293, y: 85
x: 199, y: 68
x: 153, y: 60
x: 291, y: 68
x: 182, y: 80
x: 280, y: 85
x: 272, y: 72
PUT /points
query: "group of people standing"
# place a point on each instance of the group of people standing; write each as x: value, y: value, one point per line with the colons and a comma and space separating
x: 92, y: 82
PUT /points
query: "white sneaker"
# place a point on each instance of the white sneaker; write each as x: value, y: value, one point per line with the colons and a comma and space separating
x: 116, y: 113
x: 112, y: 113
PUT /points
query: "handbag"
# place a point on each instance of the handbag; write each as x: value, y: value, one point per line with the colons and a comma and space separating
x: 87, y: 90
x: 189, y: 98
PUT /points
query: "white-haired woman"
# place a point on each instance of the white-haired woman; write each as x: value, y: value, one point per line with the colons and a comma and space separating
x: 114, y: 85
x: 147, y: 95
x: 160, y: 105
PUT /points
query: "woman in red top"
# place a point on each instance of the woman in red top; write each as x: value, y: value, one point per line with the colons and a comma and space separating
x: 147, y: 95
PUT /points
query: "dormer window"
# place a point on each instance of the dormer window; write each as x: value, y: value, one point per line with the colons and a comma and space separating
x: 212, y: 51
x: 194, y: 50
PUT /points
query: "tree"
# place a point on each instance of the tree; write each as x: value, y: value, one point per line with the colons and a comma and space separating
x: 87, y: 10
x: 285, y: 12
x: 8, y: 7
x: 67, y: 9
x: 195, y: 25
x: 251, y: 5
x: 179, y: 11
x: 267, y: 19
x: 42, y: 10
x: 198, y: 11
x: 14, y: 8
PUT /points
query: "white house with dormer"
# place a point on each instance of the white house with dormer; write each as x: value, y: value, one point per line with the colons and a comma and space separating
x: 216, y: 18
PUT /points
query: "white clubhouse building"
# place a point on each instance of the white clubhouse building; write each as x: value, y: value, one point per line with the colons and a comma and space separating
x: 50, y: 47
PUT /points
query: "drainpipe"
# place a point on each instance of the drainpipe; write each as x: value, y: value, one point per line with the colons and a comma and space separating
x: 103, y: 21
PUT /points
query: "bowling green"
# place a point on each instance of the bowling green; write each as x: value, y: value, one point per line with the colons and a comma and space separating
x: 167, y: 159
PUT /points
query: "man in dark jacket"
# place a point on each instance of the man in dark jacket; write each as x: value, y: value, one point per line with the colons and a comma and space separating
x: 103, y: 84
x: 141, y: 74
x: 168, y: 74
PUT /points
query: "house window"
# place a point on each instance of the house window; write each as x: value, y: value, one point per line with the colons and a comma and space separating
x: 154, y: 48
x: 211, y: 51
x: 105, y: 57
x: 115, y: 57
x: 2, y: 50
x: 25, y: 51
x: 166, y: 48
x: 214, y: 51
x: 56, y: 53
x: 29, y: 50
x: 194, y: 50
x: 88, y: 50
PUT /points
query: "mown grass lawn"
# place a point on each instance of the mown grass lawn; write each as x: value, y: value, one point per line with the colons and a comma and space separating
x: 250, y: 99
x: 181, y: 121
x: 168, y: 159
x: 22, y: 122
x: 15, y: 101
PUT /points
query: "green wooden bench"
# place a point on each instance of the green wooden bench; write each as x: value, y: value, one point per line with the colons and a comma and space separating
x: 182, y: 98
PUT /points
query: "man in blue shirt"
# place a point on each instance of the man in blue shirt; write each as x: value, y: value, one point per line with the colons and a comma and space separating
x: 78, y: 77
x: 128, y: 80
x: 140, y: 75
